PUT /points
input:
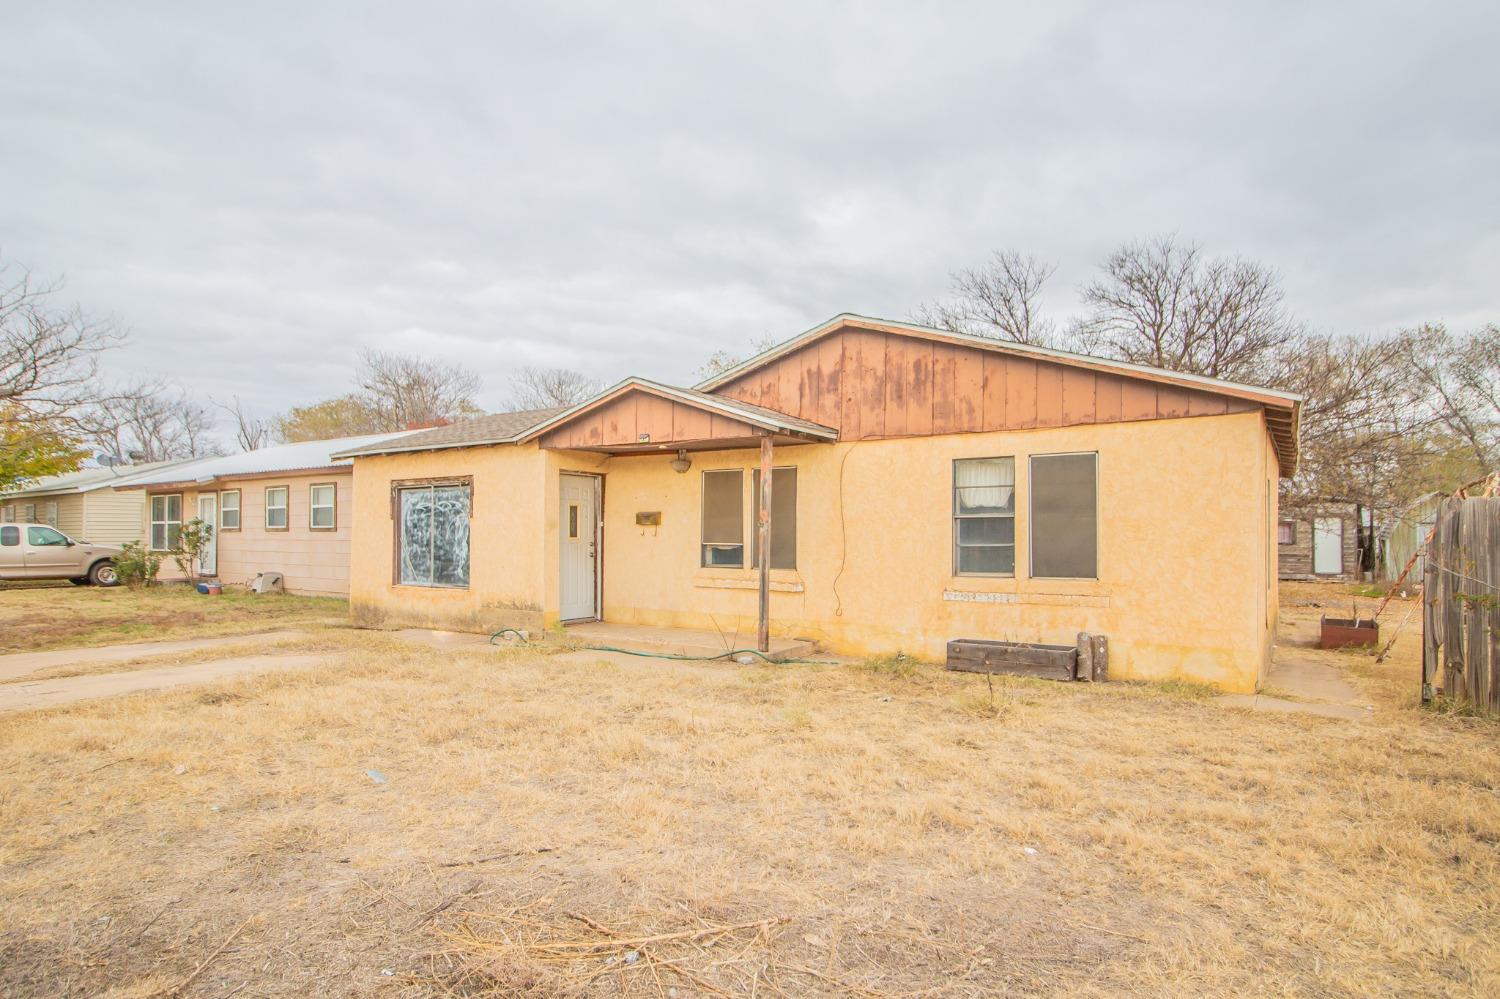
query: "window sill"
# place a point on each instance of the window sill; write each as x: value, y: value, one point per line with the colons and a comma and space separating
x: 782, y: 580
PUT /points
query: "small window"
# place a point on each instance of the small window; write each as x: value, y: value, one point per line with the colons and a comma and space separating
x: 28, y: 513
x: 324, y: 501
x: 1064, y: 516
x: 10, y: 536
x: 783, y: 517
x: 276, y: 508
x: 434, y: 536
x: 572, y: 521
x: 1286, y: 532
x: 51, y: 516
x: 166, y: 522
x: 229, y: 510
x: 724, y: 518
x: 984, y: 516
x: 45, y: 537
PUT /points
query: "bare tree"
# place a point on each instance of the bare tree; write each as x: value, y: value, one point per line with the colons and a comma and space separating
x: 1365, y: 436
x: 1459, y: 377
x: 153, y: 421
x: 545, y: 388
x: 49, y: 360
x: 405, y: 392
x: 999, y: 300
x: 250, y: 433
x: 721, y: 361
x: 1164, y: 304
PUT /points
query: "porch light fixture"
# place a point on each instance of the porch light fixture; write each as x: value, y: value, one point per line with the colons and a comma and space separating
x: 682, y: 462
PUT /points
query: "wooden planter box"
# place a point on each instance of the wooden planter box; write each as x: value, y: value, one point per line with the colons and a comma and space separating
x: 977, y: 655
x: 1343, y: 632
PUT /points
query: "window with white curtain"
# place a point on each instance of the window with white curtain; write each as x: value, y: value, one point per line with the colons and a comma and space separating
x: 984, y: 516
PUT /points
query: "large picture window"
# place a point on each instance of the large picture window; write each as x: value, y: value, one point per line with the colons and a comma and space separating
x: 724, y: 518
x: 783, y: 517
x: 434, y: 535
x: 1065, y: 516
x: 984, y: 516
x: 166, y: 522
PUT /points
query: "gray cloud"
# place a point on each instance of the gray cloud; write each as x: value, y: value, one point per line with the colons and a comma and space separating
x: 260, y: 192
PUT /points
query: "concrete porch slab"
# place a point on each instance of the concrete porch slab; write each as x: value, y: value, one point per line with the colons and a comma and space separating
x: 680, y: 641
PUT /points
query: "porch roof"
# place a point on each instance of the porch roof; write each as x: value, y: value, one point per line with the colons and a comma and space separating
x: 641, y: 416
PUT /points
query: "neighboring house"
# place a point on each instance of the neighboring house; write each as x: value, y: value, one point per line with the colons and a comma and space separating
x: 83, y: 504
x: 927, y: 486
x: 283, y: 509
x: 1406, y: 537
x: 1321, y: 540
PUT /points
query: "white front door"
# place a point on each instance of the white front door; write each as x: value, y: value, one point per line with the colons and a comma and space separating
x: 578, y: 538
x: 208, y: 512
x: 1328, y: 546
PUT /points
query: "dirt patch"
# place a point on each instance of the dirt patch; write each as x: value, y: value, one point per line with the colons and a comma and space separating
x: 378, y: 826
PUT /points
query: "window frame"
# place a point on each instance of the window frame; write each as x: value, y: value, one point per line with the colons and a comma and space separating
x: 703, y: 546
x: 1286, y: 523
x: 955, y: 516
x: 398, y: 486
x: 1031, y: 520
x: 166, y: 522
x: 285, y: 508
x: 313, y: 507
x: 239, y: 516
x: 30, y: 511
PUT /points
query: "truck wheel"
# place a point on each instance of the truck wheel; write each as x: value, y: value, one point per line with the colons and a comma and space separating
x: 103, y: 574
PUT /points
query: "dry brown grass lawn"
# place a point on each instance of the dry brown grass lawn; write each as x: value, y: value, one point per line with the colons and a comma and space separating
x: 34, y: 618
x: 577, y: 824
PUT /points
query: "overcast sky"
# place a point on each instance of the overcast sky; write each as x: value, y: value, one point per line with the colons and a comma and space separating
x: 259, y: 190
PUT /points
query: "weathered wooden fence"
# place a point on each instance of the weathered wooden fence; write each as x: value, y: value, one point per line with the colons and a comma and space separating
x: 1461, y: 603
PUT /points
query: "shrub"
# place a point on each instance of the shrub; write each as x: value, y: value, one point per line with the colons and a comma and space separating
x: 192, y: 541
x: 137, y: 565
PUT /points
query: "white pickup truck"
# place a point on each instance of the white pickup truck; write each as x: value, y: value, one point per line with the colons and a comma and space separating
x: 37, y: 551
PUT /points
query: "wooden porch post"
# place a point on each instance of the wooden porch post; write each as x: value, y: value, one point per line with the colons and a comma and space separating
x: 763, y: 535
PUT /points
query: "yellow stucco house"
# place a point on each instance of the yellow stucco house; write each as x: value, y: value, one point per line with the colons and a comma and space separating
x: 925, y: 486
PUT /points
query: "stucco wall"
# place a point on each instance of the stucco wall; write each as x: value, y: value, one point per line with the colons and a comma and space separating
x: 1185, y: 586
x: 314, y: 563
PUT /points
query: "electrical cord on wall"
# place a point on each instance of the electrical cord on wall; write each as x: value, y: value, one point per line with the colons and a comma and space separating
x: 838, y: 610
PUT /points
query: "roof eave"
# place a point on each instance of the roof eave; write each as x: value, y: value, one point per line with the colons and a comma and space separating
x: 1184, y: 379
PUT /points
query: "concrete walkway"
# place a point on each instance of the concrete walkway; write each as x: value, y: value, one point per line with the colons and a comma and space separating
x: 29, y: 695
x: 22, y: 663
x: 1320, y: 689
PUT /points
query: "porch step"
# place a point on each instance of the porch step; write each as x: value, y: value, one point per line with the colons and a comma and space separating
x: 680, y: 641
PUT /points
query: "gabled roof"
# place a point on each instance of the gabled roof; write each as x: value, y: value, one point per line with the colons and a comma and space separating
x: 1282, y: 408
x: 497, y: 428
x: 303, y: 456
x: 88, y: 479
x: 756, y: 416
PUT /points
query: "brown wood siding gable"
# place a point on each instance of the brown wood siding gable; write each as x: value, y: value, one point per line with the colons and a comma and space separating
x: 872, y: 384
x: 623, y: 421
